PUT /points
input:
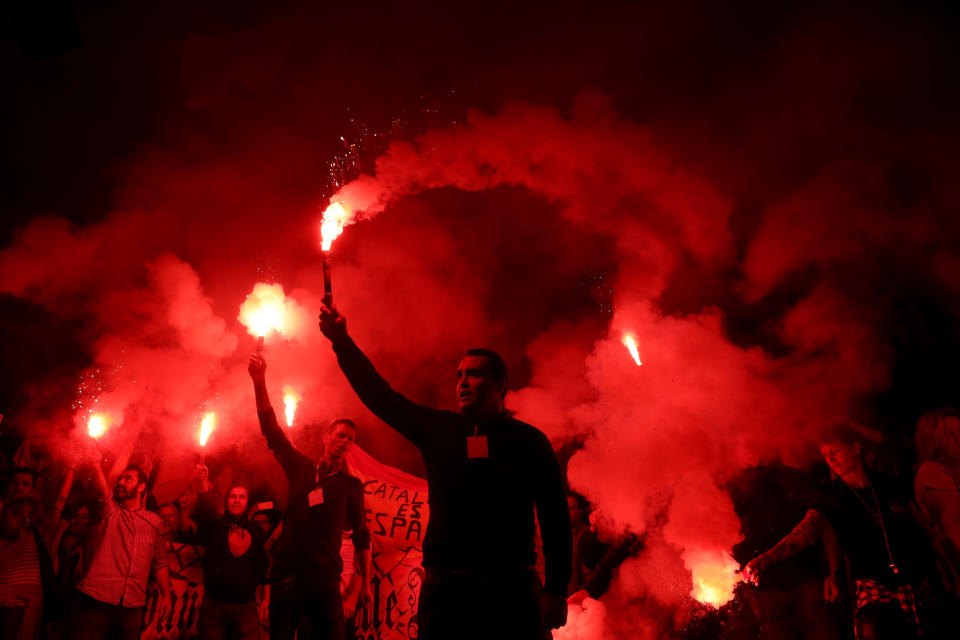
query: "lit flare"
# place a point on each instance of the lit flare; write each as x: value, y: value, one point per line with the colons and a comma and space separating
x: 207, y: 425
x: 264, y: 310
x: 335, y: 218
x: 714, y: 579
x: 97, y: 425
x: 290, y: 400
x: 631, y: 344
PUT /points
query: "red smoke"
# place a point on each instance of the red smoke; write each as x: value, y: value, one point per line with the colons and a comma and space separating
x: 543, y: 232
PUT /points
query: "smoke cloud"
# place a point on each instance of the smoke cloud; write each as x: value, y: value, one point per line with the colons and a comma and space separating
x: 768, y: 225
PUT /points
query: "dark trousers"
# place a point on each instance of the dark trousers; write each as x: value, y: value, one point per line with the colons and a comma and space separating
x: 886, y: 621
x: 318, y: 601
x: 11, y: 618
x: 479, y: 606
x: 93, y: 620
x: 795, y: 613
x: 221, y: 620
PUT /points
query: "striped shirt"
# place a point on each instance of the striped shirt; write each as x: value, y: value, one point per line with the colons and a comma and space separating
x: 130, y: 543
x: 19, y: 562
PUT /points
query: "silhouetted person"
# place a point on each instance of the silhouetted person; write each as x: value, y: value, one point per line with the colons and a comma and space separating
x: 486, y: 472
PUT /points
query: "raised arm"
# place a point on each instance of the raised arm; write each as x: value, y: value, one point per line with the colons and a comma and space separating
x: 283, y: 450
x: 806, y: 534
x: 65, y: 486
x: 407, y: 417
x: 100, y: 482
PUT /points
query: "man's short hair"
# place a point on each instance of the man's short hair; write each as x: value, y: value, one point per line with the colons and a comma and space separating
x: 496, y: 366
x: 842, y: 432
x: 141, y: 474
x: 344, y: 421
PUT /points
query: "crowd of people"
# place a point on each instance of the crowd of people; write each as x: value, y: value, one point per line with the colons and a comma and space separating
x: 860, y: 553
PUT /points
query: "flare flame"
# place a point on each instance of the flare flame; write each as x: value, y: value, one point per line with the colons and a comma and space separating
x: 207, y: 425
x: 97, y: 425
x: 631, y: 344
x: 290, y: 400
x: 264, y: 309
x: 714, y: 580
x: 335, y: 218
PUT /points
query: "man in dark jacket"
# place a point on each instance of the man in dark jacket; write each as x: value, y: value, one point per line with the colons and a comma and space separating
x: 235, y: 564
x: 323, y: 501
x: 486, y: 473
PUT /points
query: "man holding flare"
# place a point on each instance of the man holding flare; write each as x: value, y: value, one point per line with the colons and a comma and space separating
x: 486, y: 473
x: 323, y: 501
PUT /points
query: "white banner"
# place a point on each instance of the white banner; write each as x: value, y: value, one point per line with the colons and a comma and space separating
x: 396, y: 513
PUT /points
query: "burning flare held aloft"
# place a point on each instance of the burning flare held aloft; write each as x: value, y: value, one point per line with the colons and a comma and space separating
x: 715, y: 577
x: 335, y: 218
x: 207, y: 425
x: 97, y: 425
x: 265, y: 309
x: 290, y: 401
x: 631, y: 344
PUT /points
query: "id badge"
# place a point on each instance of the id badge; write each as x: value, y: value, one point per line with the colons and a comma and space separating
x: 477, y: 447
x: 315, y: 497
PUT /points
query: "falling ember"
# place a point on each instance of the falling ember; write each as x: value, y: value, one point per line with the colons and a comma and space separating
x: 715, y: 579
x: 631, y: 344
x: 290, y: 401
x: 207, y: 425
x: 335, y: 218
x: 97, y: 425
x: 264, y: 310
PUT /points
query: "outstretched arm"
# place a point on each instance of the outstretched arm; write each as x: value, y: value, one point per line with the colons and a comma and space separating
x: 407, y: 417
x: 806, y: 534
x: 283, y: 449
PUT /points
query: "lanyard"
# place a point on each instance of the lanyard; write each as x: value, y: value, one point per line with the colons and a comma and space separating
x: 879, y: 516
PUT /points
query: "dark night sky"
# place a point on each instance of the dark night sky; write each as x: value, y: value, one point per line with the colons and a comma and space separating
x: 758, y: 95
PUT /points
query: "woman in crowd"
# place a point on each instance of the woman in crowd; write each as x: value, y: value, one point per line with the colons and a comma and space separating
x: 234, y: 566
x: 937, y: 483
